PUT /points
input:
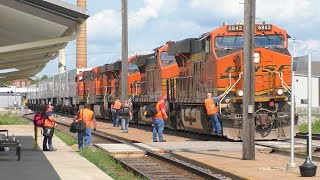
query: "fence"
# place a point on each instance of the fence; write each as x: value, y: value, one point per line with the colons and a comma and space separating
x: 304, y: 110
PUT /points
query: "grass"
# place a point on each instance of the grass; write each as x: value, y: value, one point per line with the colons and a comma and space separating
x: 8, y: 119
x: 101, y: 159
x: 315, y: 127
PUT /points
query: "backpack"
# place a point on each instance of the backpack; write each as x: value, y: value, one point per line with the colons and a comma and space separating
x: 38, y: 120
x: 151, y: 110
x: 124, y: 111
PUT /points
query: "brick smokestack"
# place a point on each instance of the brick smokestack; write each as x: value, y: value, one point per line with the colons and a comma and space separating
x: 82, y: 41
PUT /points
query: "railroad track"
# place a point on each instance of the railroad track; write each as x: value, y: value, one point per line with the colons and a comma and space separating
x: 180, y: 133
x: 305, y: 135
x: 152, y: 165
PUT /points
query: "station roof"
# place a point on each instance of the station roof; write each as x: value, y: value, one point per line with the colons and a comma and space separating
x: 32, y: 32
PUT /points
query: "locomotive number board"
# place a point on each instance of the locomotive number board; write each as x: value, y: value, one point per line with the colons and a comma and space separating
x: 264, y: 27
x: 235, y: 28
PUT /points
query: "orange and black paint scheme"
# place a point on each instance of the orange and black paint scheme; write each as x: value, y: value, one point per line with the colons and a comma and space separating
x: 214, y: 63
x: 155, y: 69
x: 185, y: 71
x: 108, y: 85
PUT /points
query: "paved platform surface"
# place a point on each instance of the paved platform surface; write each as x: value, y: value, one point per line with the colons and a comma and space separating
x: 134, y: 134
x: 224, y: 156
x: 64, y: 163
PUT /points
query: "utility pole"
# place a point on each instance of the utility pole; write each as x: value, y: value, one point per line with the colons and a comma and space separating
x: 248, y: 124
x: 124, y: 69
x: 292, y: 165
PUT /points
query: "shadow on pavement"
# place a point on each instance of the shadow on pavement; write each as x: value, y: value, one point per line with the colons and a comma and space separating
x: 33, y: 164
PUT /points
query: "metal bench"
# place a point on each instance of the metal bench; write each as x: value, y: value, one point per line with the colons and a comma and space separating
x: 11, y: 143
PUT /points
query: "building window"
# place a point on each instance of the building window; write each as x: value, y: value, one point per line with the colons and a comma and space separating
x: 23, y: 84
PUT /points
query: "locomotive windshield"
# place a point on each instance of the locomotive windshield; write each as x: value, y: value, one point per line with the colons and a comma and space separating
x: 232, y: 42
x: 133, y: 68
x: 166, y: 59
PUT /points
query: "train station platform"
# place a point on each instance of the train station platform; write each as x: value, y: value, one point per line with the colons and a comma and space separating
x: 220, y: 156
x: 64, y: 163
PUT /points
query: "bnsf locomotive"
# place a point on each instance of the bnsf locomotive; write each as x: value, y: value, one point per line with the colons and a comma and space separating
x: 185, y: 71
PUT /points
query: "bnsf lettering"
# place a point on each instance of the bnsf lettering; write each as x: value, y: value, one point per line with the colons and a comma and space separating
x: 258, y: 69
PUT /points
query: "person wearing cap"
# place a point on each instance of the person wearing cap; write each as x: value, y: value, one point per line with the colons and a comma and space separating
x: 158, y: 120
x: 212, y: 112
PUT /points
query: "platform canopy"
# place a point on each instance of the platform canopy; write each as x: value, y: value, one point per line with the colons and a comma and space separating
x: 32, y: 32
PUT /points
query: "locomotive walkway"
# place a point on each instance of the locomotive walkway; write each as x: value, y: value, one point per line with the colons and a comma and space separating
x: 64, y: 163
x: 216, y: 155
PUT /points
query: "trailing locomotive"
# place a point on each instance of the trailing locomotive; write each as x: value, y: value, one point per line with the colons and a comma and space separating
x: 185, y: 71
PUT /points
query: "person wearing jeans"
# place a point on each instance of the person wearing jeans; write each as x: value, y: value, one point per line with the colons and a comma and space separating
x: 158, y: 126
x: 88, y: 117
x: 115, y: 107
x: 86, y: 135
x: 49, y: 122
x: 212, y: 112
x: 158, y: 120
x: 125, y: 114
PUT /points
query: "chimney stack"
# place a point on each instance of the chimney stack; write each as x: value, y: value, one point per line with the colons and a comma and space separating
x: 62, y: 61
x: 82, y: 41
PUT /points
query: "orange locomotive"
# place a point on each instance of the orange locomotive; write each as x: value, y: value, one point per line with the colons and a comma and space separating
x: 155, y: 69
x: 214, y: 63
x: 108, y: 86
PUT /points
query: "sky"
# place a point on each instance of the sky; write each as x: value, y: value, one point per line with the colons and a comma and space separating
x: 152, y: 23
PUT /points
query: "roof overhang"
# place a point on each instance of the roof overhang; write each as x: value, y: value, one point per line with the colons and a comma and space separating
x: 33, y: 31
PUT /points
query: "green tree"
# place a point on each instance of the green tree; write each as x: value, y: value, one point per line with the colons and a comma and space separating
x: 5, y: 83
x: 44, y: 77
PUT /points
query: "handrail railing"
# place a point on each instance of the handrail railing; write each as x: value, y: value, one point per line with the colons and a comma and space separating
x: 229, y: 89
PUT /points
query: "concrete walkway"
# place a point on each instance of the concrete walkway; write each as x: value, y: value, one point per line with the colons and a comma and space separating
x: 64, y: 163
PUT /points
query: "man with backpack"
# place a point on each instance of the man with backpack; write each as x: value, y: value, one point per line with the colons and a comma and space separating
x: 87, y: 116
x: 48, y: 128
x: 158, y: 120
x: 115, y: 107
x: 125, y: 114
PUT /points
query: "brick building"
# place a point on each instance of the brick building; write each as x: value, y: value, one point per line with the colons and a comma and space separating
x: 21, y: 83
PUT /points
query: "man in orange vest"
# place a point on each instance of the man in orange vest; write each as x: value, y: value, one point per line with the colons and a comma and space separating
x: 88, y: 117
x: 212, y: 111
x: 115, y: 107
x: 158, y: 120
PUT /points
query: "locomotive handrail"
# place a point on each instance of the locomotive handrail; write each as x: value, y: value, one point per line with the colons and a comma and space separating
x: 105, y: 94
x: 229, y: 89
x: 284, y: 85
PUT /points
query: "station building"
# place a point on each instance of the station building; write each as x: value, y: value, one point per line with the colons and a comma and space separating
x: 301, y: 86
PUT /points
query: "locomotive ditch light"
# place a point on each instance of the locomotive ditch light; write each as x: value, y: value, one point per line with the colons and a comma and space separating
x: 256, y: 57
x: 240, y: 93
x: 271, y: 103
x: 280, y: 92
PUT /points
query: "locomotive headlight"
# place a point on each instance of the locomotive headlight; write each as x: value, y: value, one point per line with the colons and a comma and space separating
x: 279, y: 92
x: 240, y: 93
x: 256, y: 57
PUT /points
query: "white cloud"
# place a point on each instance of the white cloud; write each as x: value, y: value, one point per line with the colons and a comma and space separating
x: 149, y: 11
x: 105, y: 24
x: 154, y: 22
x: 308, y: 47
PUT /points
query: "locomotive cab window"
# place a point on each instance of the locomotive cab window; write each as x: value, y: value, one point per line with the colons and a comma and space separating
x: 167, y: 60
x: 234, y: 42
x: 133, y: 68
